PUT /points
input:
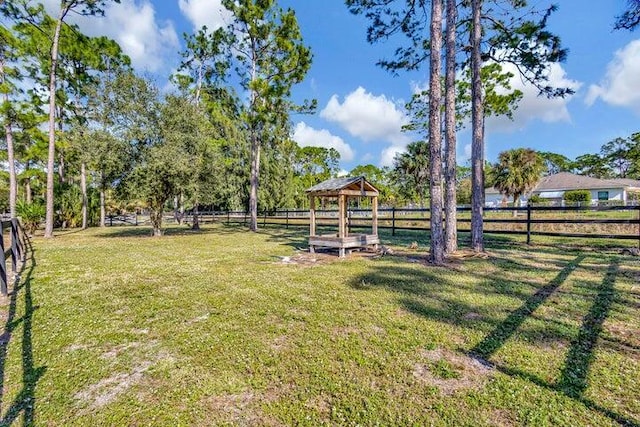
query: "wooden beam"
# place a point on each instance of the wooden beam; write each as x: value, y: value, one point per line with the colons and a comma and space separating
x: 374, y: 216
x: 341, y: 216
x: 355, y: 193
x: 312, y: 216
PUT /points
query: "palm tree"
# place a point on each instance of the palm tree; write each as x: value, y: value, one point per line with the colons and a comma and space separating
x: 411, y: 169
x: 517, y: 172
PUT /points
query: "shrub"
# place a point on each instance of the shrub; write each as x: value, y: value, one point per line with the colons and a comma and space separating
x: 577, y: 196
x: 31, y: 215
x: 536, y: 199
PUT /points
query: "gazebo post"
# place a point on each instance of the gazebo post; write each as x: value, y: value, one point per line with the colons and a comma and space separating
x: 374, y: 216
x: 312, y: 220
x: 341, y: 216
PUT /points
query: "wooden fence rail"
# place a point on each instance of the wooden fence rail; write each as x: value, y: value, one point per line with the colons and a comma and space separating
x: 16, y: 250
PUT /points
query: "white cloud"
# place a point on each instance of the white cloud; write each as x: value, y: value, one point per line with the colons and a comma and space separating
x: 389, y: 153
x: 621, y: 84
x: 533, y: 106
x: 306, y: 136
x: 368, y: 116
x: 205, y: 12
x: 134, y: 26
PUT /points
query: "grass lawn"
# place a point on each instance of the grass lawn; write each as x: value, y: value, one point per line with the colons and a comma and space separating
x: 227, y: 327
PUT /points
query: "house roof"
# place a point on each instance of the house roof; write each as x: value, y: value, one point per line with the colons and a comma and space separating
x: 347, y: 185
x: 570, y: 181
x: 627, y: 182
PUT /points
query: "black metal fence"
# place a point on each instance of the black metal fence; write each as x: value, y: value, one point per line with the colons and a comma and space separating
x: 594, y: 222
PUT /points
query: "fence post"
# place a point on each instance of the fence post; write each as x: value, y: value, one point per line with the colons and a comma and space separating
x: 393, y: 220
x: 15, y: 252
x: 3, y: 265
x: 287, y: 220
x: 528, y: 223
x: 228, y: 216
x: 111, y: 220
x: 20, y: 246
x: 638, y: 208
x: 264, y: 221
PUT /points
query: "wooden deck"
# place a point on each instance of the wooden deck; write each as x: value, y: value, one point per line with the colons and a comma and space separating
x: 342, y: 243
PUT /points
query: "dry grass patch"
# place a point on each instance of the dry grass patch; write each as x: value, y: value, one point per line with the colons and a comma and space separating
x: 451, y: 372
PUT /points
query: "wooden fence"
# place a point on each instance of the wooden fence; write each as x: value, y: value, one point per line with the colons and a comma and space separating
x: 15, y: 241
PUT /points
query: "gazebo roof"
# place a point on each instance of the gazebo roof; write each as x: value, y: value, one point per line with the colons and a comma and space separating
x: 350, y: 186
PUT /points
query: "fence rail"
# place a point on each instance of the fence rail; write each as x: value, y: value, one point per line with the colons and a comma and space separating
x: 16, y: 250
x: 598, y: 222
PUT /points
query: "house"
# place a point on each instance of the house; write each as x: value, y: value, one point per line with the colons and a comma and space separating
x: 493, y: 198
x: 552, y: 188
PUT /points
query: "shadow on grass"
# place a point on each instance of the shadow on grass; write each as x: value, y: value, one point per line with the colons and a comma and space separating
x: 173, y: 230
x: 573, y: 380
x: 24, y: 402
x: 426, y: 293
x: 581, y: 355
x: 496, y: 339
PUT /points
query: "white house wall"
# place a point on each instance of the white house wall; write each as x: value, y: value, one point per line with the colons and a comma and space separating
x: 614, y: 194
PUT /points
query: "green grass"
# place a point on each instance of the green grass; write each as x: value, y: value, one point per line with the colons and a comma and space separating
x: 111, y: 327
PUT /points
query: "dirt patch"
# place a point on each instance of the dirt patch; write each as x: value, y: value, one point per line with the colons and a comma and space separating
x: 450, y: 371
x: 343, y: 331
x: 106, y: 390
x: 472, y: 315
x: 378, y: 330
x: 244, y: 408
x: 241, y: 409
x: 307, y: 259
x: 198, y: 319
x: 280, y: 343
x: 321, y: 404
x: 501, y: 418
x: 117, y: 350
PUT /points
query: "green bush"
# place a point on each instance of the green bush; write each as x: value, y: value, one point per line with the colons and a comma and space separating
x: 536, y: 199
x: 577, y: 196
x: 31, y: 215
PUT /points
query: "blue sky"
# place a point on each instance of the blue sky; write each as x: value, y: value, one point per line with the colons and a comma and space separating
x: 360, y: 106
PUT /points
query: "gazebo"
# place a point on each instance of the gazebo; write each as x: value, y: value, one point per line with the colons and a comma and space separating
x: 343, y: 189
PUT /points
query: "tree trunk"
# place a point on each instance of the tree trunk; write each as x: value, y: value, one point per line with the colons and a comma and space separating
x: 515, y: 201
x: 8, y: 131
x: 155, y: 216
x: 103, y: 209
x: 61, y: 168
x: 27, y: 185
x: 196, y: 217
x: 477, y: 125
x: 48, y: 225
x: 181, y: 209
x: 435, y: 134
x: 253, y: 190
x: 450, y: 202
x: 176, y: 210
x: 85, y: 201
x: 13, y: 189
